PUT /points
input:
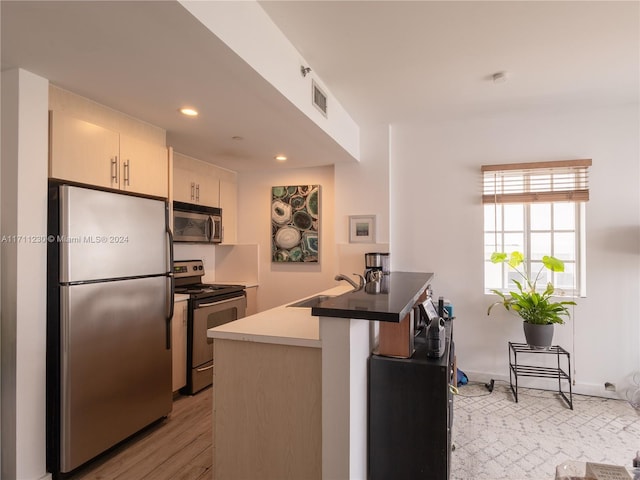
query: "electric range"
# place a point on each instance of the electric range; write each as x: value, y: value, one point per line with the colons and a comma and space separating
x: 209, y: 306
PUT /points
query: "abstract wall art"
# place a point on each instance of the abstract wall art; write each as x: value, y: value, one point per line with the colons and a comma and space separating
x: 295, y: 218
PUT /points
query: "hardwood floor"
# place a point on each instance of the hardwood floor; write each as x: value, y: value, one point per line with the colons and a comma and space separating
x: 177, y: 448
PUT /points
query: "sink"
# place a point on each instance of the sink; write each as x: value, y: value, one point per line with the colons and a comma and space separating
x: 311, y: 301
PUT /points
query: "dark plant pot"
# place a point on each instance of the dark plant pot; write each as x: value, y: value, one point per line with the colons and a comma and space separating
x: 538, y: 337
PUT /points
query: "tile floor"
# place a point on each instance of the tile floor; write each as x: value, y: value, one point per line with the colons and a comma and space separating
x: 496, y: 438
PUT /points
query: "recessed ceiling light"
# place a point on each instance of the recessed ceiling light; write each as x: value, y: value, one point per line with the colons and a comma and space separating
x: 281, y: 158
x: 499, y: 77
x: 189, y: 112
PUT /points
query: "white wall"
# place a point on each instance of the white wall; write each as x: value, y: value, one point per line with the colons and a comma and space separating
x: 24, y: 253
x: 363, y: 188
x: 437, y: 226
x: 281, y: 283
x: 354, y: 189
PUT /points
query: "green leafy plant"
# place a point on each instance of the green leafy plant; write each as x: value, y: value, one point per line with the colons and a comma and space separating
x: 533, y: 306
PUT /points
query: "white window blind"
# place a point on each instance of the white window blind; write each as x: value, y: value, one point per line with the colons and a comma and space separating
x: 565, y: 180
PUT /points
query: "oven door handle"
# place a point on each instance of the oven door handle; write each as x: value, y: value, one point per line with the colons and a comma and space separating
x: 204, y: 369
x: 219, y: 302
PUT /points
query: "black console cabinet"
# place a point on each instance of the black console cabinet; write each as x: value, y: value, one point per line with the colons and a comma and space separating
x: 411, y: 414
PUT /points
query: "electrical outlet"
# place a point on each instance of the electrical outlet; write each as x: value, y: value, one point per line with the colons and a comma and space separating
x: 611, y: 387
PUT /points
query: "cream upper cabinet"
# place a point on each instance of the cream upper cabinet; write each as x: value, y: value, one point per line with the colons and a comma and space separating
x: 195, y: 181
x: 184, y: 187
x: 83, y: 152
x: 144, y: 167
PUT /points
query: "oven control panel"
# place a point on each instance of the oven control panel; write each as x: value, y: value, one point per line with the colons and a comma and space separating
x: 188, y: 268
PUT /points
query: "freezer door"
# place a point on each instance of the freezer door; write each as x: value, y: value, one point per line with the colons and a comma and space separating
x: 115, y: 366
x: 109, y: 235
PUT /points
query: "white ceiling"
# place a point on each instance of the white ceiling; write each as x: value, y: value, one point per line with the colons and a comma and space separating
x: 149, y: 58
x: 388, y: 62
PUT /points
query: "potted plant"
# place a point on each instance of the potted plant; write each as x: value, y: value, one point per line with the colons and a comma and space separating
x: 536, y: 308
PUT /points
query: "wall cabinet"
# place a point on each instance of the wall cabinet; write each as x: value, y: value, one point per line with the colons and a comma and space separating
x: 411, y: 414
x: 179, y: 345
x: 202, y: 183
x: 195, y: 182
x: 83, y: 152
x: 145, y: 167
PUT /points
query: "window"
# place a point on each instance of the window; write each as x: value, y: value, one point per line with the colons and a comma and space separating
x: 537, y: 209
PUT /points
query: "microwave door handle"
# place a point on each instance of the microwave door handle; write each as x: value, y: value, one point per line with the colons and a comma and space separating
x: 211, y: 231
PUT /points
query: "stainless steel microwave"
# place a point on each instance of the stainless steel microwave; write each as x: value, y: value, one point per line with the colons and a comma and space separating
x: 196, y: 223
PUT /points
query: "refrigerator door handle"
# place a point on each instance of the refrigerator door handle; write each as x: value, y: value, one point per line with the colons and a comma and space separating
x: 171, y: 289
x: 170, y: 246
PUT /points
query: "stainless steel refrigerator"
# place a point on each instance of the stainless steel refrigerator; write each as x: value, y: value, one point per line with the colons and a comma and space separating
x: 109, y: 309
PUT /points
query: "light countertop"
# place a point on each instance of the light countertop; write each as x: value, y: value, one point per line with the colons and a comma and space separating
x: 281, y: 325
x: 180, y: 297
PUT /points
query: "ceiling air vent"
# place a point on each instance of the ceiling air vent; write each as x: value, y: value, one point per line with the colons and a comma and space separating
x: 319, y: 98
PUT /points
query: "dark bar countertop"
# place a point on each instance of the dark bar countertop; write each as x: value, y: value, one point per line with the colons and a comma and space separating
x: 399, y: 291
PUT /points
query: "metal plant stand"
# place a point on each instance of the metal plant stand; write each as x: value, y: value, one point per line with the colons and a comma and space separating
x: 525, y: 370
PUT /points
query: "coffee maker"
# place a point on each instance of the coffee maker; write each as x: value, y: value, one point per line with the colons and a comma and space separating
x: 376, y: 266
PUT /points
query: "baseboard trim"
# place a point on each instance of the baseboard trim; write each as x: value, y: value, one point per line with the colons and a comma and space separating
x: 578, y: 388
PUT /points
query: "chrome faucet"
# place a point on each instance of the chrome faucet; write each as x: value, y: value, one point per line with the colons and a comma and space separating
x: 355, y: 286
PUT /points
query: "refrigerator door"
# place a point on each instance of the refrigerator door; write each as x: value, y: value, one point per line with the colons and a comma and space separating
x: 116, y: 369
x: 107, y: 235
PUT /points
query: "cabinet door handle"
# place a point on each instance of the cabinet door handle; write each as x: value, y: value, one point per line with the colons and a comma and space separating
x: 114, y: 169
x: 127, y: 172
x: 193, y: 190
x: 197, y: 192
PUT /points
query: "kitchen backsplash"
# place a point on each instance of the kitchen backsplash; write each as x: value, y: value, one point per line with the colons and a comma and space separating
x: 222, y: 263
x: 192, y: 251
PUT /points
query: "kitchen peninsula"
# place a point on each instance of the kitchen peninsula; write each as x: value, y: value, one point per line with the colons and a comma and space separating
x: 290, y: 383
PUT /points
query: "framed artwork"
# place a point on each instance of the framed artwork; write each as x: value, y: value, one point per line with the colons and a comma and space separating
x: 295, y: 218
x: 362, y: 229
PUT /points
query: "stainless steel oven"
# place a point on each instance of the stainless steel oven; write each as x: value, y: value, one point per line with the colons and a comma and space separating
x: 210, y: 305
x: 208, y: 313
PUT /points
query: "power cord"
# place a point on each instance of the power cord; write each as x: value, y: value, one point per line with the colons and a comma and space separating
x: 489, y: 386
